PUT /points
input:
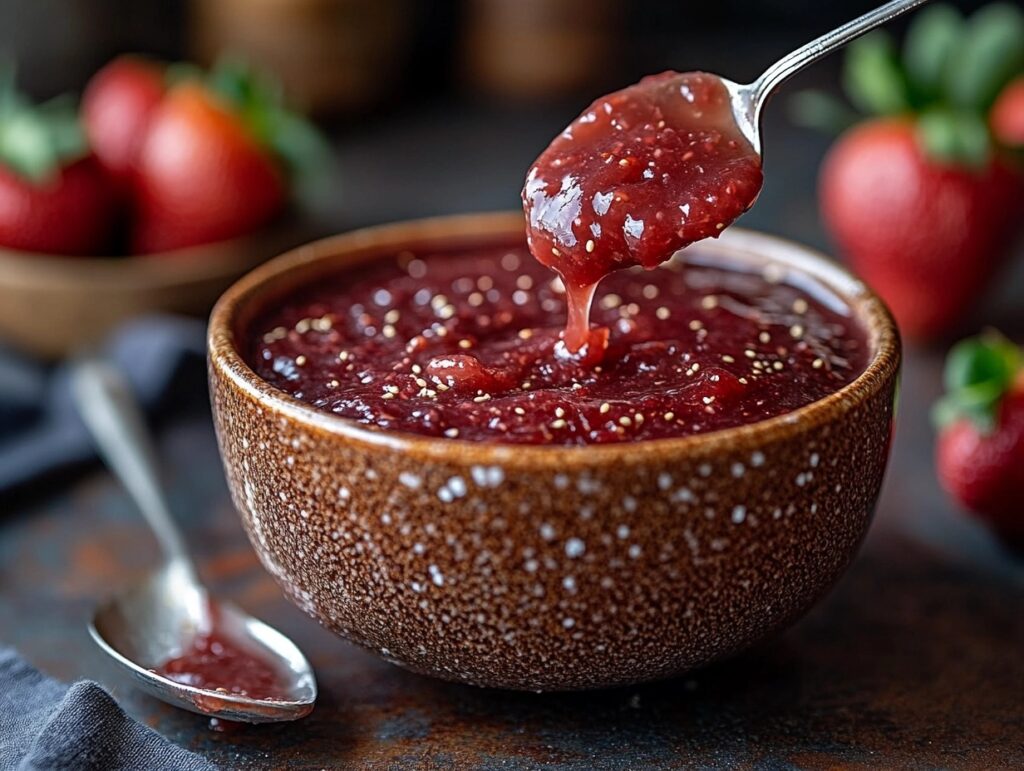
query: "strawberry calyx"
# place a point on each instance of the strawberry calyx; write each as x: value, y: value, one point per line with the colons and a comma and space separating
x: 979, y: 372
x: 947, y: 75
x: 257, y: 99
x: 36, y: 141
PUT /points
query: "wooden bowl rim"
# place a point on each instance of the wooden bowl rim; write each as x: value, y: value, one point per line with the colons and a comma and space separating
x: 450, y: 231
x: 167, y: 269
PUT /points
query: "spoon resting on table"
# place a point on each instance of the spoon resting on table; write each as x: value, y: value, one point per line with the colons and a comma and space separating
x: 649, y: 169
x: 176, y: 641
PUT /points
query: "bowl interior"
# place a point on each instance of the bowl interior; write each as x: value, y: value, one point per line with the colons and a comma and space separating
x: 789, y: 262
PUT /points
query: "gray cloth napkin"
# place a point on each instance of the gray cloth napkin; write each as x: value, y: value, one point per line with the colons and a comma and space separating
x: 47, y: 725
x: 40, y: 432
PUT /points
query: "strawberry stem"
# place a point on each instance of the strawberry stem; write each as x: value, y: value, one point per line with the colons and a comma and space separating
x: 979, y: 372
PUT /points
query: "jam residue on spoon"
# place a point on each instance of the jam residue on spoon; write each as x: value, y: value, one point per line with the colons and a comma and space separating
x: 215, y: 661
x: 640, y: 174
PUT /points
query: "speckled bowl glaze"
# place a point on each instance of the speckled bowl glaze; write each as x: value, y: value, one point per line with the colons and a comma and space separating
x: 549, y: 568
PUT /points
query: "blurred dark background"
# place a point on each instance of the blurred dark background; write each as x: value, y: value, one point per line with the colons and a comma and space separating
x: 439, y: 107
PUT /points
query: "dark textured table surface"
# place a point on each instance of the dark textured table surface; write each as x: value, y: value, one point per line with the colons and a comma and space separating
x: 915, y: 660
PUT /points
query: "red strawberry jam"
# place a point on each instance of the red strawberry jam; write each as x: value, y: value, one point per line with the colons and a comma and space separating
x: 467, y: 344
x: 216, y: 662
x: 640, y: 174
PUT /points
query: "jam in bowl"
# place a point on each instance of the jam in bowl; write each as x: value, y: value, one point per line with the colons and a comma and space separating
x: 426, y: 470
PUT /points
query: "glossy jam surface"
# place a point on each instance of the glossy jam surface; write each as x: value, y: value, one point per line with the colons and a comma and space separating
x: 640, y: 174
x: 467, y: 345
x: 216, y: 662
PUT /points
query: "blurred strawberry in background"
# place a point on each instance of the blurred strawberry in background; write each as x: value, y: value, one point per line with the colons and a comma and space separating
x: 208, y: 156
x: 116, y: 107
x: 202, y: 174
x: 161, y: 157
x: 925, y: 198
x: 54, y: 195
x: 980, y: 454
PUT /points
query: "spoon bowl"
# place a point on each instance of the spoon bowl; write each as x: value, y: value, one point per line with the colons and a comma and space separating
x: 158, y: 619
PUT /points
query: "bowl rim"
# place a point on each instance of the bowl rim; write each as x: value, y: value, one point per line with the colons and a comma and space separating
x: 169, y: 268
x: 453, y: 230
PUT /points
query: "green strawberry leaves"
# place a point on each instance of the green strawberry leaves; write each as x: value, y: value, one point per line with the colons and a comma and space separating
x: 259, y: 100
x: 873, y: 77
x: 36, y: 141
x: 928, y: 48
x: 822, y: 111
x: 990, y: 53
x: 955, y: 137
x: 979, y: 371
x: 947, y: 75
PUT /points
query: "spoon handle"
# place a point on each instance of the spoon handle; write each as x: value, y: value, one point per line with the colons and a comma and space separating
x: 111, y: 413
x: 793, y: 62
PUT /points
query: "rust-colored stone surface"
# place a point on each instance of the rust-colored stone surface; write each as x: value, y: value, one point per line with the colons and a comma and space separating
x: 912, y: 661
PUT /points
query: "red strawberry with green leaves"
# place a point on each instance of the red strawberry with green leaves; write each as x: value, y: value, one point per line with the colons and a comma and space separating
x: 116, y: 107
x: 922, y: 200
x: 927, y: 236
x: 217, y: 160
x: 980, y: 454
x: 54, y: 196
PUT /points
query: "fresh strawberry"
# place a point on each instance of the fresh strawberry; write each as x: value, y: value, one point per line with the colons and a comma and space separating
x: 1007, y: 117
x: 218, y: 160
x: 116, y: 107
x: 922, y: 199
x: 926, y: 235
x: 54, y: 197
x: 202, y: 175
x: 980, y: 454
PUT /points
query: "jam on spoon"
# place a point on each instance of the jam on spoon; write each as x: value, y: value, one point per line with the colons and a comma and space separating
x: 640, y: 174
x: 215, y: 661
x: 656, y: 166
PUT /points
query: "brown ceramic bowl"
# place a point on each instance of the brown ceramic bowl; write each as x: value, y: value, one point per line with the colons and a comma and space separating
x: 83, y: 298
x: 549, y: 568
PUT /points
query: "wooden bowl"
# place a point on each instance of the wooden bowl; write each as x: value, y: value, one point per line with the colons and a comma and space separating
x: 53, y: 305
x: 549, y: 568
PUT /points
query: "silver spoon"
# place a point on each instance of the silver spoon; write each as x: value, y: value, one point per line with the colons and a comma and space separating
x: 748, y: 100
x: 157, y: 619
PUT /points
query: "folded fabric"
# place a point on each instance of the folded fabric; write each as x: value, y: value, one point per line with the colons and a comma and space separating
x: 47, y: 725
x: 40, y: 432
